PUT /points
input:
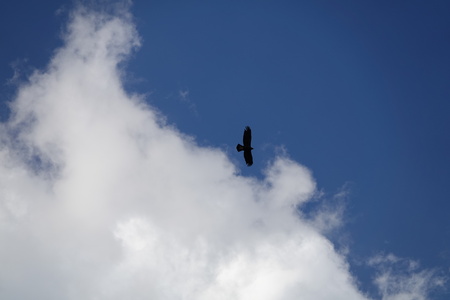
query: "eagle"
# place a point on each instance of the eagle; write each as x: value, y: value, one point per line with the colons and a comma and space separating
x: 247, y: 148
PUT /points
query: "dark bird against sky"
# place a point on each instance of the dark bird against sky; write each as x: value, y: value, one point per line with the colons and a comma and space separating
x: 247, y: 148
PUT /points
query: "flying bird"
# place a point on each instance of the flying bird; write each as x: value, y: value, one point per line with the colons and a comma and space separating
x: 247, y: 148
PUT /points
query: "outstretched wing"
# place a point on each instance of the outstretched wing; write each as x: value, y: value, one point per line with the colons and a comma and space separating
x: 247, y: 140
x: 248, y: 157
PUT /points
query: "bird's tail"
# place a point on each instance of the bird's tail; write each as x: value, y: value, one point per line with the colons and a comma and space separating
x: 239, y: 147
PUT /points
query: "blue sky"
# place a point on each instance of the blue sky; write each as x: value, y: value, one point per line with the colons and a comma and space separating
x: 355, y: 92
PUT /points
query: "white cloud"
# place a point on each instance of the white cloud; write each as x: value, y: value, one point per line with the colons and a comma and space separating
x: 101, y: 200
x: 402, y: 279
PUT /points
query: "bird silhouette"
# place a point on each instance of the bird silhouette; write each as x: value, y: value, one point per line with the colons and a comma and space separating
x: 247, y: 147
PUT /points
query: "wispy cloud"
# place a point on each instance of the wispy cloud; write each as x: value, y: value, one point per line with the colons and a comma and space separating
x: 401, y: 279
x: 183, y: 95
